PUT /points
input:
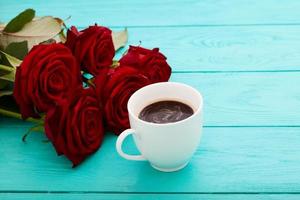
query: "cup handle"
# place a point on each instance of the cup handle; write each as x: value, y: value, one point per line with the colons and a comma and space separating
x: 119, y: 143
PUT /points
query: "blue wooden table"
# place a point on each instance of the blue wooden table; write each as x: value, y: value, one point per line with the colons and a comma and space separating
x: 244, y: 56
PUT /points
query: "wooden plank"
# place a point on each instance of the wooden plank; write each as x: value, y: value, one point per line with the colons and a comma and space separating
x: 251, y: 160
x: 242, y: 99
x: 258, y: 48
x: 255, y: 48
x: 247, y: 99
x: 206, y: 48
x: 156, y: 12
x: 259, y: 99
x: 148, y: 196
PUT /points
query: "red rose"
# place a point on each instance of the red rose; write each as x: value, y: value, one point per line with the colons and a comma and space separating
x: 75, y: 128
x: 100, y: 81
x: 46, y: 76
x: 93, y: 47
x: 119, y: 86
x: 150, y: 62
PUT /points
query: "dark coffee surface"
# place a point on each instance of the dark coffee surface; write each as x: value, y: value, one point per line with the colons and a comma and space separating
x: 165, y: 112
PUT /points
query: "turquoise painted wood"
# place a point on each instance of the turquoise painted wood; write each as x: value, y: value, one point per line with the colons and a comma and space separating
x: 162, y: 13
x: 228, y: 160
x: 148, y: 196
x: 246, y: 99
x: 234, y: 48
x: 244, y: 56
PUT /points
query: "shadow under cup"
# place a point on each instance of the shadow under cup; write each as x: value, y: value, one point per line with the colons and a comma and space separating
x: 168, y: 147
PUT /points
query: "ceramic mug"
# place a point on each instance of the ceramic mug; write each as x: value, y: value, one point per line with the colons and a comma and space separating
x: 168, y: 147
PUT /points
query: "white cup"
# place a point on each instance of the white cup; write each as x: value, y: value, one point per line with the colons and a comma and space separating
x: 168, y: 147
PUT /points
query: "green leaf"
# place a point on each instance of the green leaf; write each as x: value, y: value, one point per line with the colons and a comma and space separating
x: 34, y: 32
x: 17, y: 23
x: 120, y: 39
x: 5, y: 69
x: 10, y: 77
x: 7, y: 76
x: 62, y: 36
x: 9, y: 107
x: 13, y: 61
x: 17, y: 49
x: 4, y: 84
x: 5, y: 92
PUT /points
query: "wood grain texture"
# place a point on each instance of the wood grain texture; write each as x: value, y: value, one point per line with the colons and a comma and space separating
x: 148, y: 196
x: 250, y: 145
x: 247, y: 99
x: 201, y: 48
x: 161, y: 13
x: 242, y: 99
x: 228, y: 160
x: 257, y: 48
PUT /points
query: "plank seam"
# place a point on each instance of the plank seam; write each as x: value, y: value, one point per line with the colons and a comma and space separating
x: 208, y: 126
x: 119, y: 192
x: 233, y: 71
x: 198, y: 25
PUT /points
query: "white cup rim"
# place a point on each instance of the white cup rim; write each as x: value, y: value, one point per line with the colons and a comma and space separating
x: 198, y: 110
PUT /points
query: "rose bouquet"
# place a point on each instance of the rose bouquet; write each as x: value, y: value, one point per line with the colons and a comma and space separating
x: 70, y: 85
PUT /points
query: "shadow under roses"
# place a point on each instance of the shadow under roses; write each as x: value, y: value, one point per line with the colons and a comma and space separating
x: 9, y: 108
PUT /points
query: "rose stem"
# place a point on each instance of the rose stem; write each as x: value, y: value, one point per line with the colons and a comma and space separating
x: 18, y: 116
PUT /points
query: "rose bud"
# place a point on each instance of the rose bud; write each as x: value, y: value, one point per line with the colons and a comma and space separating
x: 93, y: 47
x: 152, y: 63
x: 75, y: 128
x: 121, y: 83
x: 46, y: 76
